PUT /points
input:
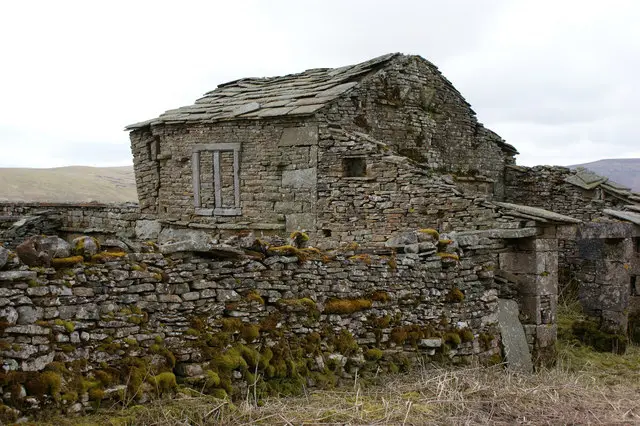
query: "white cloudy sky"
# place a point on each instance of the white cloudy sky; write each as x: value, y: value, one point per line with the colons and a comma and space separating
x: 557, y: 79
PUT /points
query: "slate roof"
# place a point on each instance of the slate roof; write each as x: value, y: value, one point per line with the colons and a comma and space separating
x: 587, y: 179
x: 253, y: 98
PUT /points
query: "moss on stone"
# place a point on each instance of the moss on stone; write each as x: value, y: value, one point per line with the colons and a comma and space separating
x: 66, y: 262
x: 448, y: 256
x: 69, y: 326
x: 466, y: 335
x: 249, y: 332
x: 346, y: 306
x: 373, y: 354
x: 455, y: 295
x: 164, y: 382
x: 380, y: 296
x: 432, y: 232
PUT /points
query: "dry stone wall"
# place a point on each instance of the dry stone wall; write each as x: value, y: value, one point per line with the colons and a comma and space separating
x: 545, y: 187
x: 20, y: 220
x: 395, y: 193
x: 298, y: 317
x: 413, y: 108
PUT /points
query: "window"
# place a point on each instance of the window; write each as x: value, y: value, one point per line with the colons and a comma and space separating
x: 354, y: 167
x: 636, y: 244
x: 222, y: 206
x: 633, y: 286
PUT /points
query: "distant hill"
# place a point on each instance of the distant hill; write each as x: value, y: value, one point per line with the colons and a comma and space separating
x: 68, y: 184
x: 625, y: 171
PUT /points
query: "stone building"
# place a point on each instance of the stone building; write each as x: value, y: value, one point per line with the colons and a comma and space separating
x: 331, y: 151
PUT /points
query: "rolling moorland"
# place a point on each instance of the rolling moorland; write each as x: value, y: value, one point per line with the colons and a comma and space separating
x: 69, y: 184
x: 117, y: 184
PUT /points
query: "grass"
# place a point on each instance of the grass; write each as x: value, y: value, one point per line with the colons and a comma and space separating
x: 585, y: 387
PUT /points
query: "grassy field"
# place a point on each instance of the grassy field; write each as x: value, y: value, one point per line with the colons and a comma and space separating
x: 68, y: 184
x: 585, y: 387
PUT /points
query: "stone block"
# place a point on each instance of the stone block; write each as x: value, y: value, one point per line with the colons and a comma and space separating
x: 546, y: 335
x: 300, y: 221
x: 301, y: 178
x: 299, y: 136
x: 519, y: 262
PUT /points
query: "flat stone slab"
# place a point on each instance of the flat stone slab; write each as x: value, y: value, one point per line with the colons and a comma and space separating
x: 630, y: 216
x: 541, y: 214
x: 514, y: 341
x: 18, y: 275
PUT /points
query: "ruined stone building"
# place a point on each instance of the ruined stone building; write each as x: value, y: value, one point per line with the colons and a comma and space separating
x: 361, y: 212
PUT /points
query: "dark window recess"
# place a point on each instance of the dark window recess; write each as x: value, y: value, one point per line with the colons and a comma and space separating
x: 636, y: 245
x: 355, y: 167
x: 633, y: 285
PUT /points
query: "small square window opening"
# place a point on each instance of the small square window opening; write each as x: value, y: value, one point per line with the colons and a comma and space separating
x: 354, y: 167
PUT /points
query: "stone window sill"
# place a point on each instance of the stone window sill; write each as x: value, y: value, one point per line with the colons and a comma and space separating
x: 219, y: 211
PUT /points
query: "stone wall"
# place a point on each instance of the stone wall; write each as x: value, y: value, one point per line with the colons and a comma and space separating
x: 19, y: 220
x: 395, y: 193
x: 413, y: 108
x: 319, y: 317
x: 277, y: 172
x: 544, y: 186
x: 601, y: 261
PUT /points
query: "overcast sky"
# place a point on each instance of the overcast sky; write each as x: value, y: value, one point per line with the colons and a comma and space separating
x: 557, y: 79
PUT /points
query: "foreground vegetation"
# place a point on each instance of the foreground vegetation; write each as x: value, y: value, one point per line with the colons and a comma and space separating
x: 585, y: 387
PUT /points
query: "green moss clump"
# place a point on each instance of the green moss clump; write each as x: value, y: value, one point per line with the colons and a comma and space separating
x: 373, y: 354
x: 250, y: 332
x: 466, y: 335
x: 229, y: 361
x: 218, y: 393
x: 164, y: 382
x: 96, y: 394
x: 345, y: 343
x: 213, y: 379
x: 448, y: 256
x: 66, y: 262
x: 485, y: 340
x: 452, y: 338
x: 455, y: 295
x: 432, y: 232
x: 69, y: 397
x: 231, y: 325
x: 68, y: 325
x: 346, y: 306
